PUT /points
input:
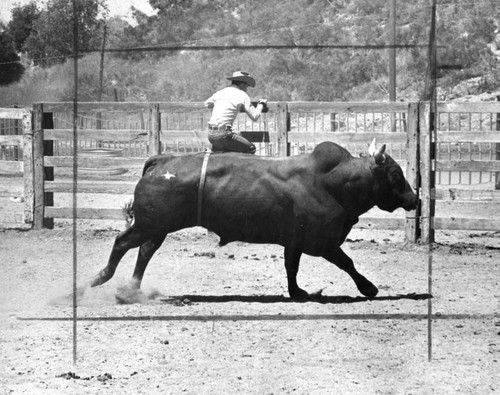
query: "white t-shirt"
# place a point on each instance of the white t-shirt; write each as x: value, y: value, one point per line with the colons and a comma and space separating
x: 227, y: 103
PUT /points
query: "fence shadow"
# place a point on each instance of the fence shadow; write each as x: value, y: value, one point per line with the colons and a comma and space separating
x: 337, y: 299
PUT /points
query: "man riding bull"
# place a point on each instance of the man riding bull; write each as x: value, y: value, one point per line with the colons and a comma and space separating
x: 226, y: 105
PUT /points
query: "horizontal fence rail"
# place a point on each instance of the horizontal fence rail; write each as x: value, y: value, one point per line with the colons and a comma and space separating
x: 466, y: 163
x: 461, y: 148
x: 182, y: 128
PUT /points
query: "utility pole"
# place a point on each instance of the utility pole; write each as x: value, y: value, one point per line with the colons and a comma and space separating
x: 497, y: 149
x: 392, y: 50
x: 101, y: 67
x: 101, y: 77
x: 429, y: 177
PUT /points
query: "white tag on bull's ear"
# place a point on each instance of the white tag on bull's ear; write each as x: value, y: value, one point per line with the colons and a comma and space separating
x: 372, y: 147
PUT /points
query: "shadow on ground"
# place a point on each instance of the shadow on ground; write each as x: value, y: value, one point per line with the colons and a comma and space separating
x: 338, y: 299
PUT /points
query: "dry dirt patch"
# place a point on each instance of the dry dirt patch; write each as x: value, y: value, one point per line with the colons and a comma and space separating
x: 233, y: 330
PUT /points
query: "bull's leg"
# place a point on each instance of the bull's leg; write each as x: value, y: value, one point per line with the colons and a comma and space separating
x: 292, y: 260
x: 340, y: 258
x: 132, y: 293
x: 146, y: 252
x: 130, y: 238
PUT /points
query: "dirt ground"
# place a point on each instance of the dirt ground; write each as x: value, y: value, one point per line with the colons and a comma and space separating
x: 218, y: 320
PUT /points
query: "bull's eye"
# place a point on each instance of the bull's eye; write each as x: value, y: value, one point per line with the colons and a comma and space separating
x: 397, y: 180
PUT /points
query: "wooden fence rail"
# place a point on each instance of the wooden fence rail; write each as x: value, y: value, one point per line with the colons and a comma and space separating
x: 469, y: 206
x: 114, y: 139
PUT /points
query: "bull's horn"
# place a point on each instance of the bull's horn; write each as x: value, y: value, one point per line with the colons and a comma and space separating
x: 373, y: 147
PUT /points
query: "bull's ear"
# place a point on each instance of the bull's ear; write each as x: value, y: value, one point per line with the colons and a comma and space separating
x: 380, y: 155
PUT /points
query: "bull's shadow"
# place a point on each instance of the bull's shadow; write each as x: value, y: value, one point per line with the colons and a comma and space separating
x: 337, y: 299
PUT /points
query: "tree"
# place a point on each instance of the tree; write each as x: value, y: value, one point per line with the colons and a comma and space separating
x: 351, y: 73
x: 124, y: 35
x: 115, y: 31
x: 21, y: 24
x: 11, y: 70
x: 464, y: 41
x: 51, y: 39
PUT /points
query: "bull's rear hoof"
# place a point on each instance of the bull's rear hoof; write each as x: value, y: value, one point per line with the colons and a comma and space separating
x: 128, y: 295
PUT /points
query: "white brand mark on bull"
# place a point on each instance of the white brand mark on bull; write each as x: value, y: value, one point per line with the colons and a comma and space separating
x: 168, y: 175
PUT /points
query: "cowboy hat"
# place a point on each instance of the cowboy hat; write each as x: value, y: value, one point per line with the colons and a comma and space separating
x: 242, y: 76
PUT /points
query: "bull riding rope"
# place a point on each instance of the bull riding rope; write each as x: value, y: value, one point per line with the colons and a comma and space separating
x: 201, y: 185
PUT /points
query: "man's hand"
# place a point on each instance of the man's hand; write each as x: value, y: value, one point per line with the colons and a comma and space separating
x: 264, y: 104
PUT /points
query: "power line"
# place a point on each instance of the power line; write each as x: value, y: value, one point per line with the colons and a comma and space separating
x: 178, y: 48
x: 263, y: 47
x: 471, y: 2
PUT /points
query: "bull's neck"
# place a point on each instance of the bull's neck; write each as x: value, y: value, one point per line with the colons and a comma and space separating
x: 354, y: 186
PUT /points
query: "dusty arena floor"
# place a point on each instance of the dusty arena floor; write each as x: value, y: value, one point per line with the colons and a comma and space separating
x: 218, y: 320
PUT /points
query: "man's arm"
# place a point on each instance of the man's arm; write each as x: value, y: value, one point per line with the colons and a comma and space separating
x: 253, y: 112
x: 210, y: 102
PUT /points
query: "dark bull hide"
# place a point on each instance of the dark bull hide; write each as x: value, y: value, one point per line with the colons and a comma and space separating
x: 308, y: 204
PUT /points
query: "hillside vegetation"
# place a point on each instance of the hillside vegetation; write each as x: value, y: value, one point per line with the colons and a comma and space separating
x: 356, y: 71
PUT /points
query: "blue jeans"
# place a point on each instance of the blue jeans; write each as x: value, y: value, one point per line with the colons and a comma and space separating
x: 231, y: 142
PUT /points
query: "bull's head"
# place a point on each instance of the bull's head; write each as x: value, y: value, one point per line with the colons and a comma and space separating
x: 391, y: 188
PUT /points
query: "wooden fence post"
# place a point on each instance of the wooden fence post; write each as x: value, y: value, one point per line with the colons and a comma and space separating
x: 28, y: 165
x: 426, y: 171
x: 497, y: 149
x: 282, y: 129
x: 15, y: 149
x: 48, y: 172
x: 41, y: 148
x: 2, y: 132
x: 38, y: 173
x: 334, y: 123
x: 154, y: 146
x: 412, y: 227
x: 98, y: 126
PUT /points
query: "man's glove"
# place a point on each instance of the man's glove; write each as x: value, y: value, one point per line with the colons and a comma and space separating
x: 264, y: 104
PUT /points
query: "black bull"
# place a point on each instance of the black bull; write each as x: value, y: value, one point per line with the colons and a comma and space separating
x: 308, y: 204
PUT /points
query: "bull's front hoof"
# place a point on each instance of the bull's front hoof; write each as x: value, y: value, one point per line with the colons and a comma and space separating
x: 370, y: 292
x: 301, y: 296
x: 316, y: 295
x: 298, y: 294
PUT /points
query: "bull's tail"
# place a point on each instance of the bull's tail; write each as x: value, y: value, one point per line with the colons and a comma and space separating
x: 128, y: 213
x: 128, y: 208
